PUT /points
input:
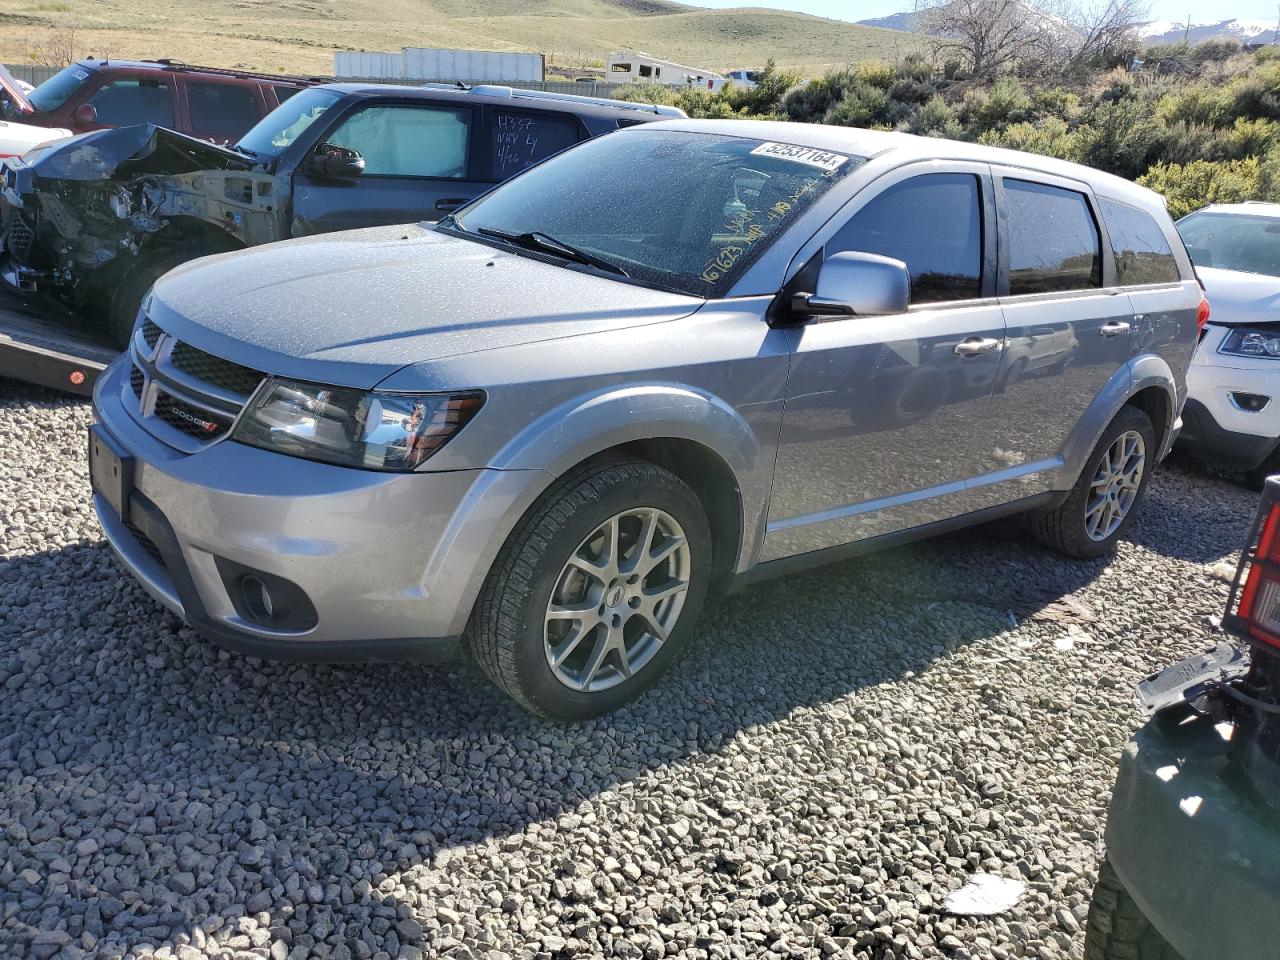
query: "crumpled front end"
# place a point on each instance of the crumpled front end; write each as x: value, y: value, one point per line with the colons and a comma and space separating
x: 73, y: 209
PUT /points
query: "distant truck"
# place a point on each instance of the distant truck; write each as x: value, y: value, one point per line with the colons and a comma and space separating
x: 440, y: 64
x: 630, y: 66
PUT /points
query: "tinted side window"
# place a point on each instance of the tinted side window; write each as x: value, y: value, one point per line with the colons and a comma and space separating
x: 1053, y: 241
x: 284, y: 93
x: 933, y: 224
x: 522, y: 139
x: 408, y: 141
x: 1142, y: 252
x: 222, y: 106
x: 122, y: 102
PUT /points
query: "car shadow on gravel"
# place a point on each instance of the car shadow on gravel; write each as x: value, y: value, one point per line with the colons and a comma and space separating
x: 1194, y: 512
x: 158, y: 790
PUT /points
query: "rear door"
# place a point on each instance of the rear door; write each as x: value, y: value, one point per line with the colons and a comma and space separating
x: 420, y: 163
x: 1069, y: 325
x: 221, y: 111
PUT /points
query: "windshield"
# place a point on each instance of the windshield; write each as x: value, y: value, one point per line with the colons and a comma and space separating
x: 277, y: 131
x: 683, y: 211
x: 55, y: 91
x: 1232, y: 241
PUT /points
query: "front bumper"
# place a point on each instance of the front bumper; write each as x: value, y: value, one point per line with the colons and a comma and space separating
x: 1218, y: 429
x: 391, y: 562
x: 1201, y: 858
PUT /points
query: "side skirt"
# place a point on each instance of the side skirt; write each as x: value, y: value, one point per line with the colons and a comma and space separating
x: 844, y: 551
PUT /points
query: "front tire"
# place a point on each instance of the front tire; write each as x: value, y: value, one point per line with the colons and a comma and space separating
x: 1106, y: 497
x: 1118, y: 929
x: 595, y: 592
x: 125, y: 296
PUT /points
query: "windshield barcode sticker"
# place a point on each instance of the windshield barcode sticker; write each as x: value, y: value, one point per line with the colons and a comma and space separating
x: 822, y: 159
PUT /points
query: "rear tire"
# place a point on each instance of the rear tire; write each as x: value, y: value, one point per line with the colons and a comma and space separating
x: 1084, y: 526
x: 124, y: 298
x: 569, y: 625
x: 1118, y: 930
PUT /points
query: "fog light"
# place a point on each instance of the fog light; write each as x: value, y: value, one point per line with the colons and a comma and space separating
x: 1249, y: 402
x: 257, y: 598
x: 266, y: 599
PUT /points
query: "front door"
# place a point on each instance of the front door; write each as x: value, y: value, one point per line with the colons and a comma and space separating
x: 1069, y: 326
x: 887, y: 418
x: 419, y: 165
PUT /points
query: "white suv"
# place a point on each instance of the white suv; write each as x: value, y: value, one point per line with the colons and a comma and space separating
x: 1232, y: 415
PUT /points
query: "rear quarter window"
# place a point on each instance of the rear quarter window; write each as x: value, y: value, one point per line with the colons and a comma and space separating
x: 1142, y: 252
x: 1054, y: 244
x: 521, y: 140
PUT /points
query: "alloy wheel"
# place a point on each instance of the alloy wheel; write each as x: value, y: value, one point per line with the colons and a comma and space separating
x: 1115, y: 486
x: 617, y: 599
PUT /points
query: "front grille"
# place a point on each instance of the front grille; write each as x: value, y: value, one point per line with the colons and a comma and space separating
x: 145, y: 543
x: 19, y: 236
x: 215, y: 370
x: 135, y: 381
x: 150, y: 333
x: 189, y: 419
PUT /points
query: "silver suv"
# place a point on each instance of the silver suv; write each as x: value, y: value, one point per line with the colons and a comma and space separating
x: 672, y: 360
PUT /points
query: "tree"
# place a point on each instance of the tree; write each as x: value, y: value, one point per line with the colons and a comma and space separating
x: 987, y: 36
x: 1107, y: 31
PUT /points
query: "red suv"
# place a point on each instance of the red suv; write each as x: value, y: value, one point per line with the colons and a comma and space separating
x: 204, y: 102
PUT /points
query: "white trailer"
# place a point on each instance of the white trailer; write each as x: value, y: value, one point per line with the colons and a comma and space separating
x: 434, y: 63
x: 631, y: 66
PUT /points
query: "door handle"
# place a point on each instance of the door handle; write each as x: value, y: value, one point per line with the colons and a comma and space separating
x: 976, y: 346
x: 448, y: 206
x: 1113, y: 328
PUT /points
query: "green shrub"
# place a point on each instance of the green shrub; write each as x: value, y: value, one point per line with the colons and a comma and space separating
x: 1190, y: 186
x: 875, y: 73
x: 1266, y: 54
x: 1051, y: 138
x: 1119, y: 137
x: 863, y: 106
x: 765, y: 98
x: 915, y: 66
x: 810, y: 103
x: 1005, y: 103
x: 911, y: 91
x: 1185, y: 142
x: 1215, y: 51
x: 1252, y: 138
x: 1055, y: 102
x: 1201, y: 105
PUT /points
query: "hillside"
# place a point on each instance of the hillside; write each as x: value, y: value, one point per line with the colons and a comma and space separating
x: 300, y: 35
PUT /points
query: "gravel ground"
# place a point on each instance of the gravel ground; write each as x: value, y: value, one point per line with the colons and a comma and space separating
x: 842, y: 749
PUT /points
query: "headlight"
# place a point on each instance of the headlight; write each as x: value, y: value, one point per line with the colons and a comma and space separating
x: 1251, y: 343
x: 354, y: 428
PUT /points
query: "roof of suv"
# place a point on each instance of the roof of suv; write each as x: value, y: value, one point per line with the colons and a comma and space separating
x: 908, y: 147
x: 495, y: 93
x: 177, y: 66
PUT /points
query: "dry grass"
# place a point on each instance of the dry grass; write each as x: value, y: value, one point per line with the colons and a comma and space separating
x: 300, y: 35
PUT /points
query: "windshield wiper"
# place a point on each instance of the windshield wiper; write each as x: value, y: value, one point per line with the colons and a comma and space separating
x: 536, y: 240
x: 245, y: 150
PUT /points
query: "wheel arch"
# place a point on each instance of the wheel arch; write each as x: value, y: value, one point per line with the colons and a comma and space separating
x: 1146, y: 382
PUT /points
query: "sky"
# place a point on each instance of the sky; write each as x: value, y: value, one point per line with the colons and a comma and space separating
x: 1200, y: 11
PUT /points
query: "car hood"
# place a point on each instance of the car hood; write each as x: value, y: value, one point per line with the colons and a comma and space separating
x: 122, y: 152
x: 352, y: 308
x: 1239, y: 298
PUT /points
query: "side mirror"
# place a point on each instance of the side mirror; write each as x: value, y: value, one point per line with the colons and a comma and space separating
x: 331, y: 162
x: 85, y: 113
x: 857, y: 284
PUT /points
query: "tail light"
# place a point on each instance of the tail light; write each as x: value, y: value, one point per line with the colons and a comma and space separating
x: 1258, y: 614
x: 1202, y: 313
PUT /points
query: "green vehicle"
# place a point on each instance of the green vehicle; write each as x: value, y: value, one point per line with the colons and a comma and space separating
x: 1193, y: 834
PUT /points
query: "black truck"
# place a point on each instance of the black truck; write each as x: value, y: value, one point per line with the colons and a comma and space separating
x: 1193, y: 832
x: 88, y: 224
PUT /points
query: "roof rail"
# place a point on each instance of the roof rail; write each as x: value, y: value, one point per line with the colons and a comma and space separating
x: 170, y: 64
x: 496, y: 90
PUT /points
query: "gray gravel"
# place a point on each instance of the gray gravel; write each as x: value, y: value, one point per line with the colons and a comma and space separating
x: 842, y: 750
